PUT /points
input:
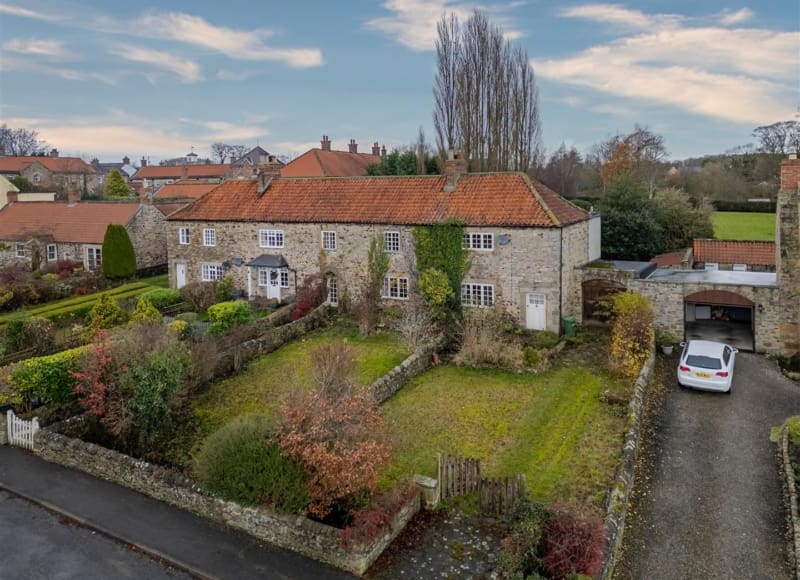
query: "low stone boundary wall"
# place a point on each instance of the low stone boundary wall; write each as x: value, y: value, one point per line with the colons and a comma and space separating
x: 272, y: 339
x: 617, y: 507
x: 416, y: 364
x: 790, y: 488
x: 296, y: 533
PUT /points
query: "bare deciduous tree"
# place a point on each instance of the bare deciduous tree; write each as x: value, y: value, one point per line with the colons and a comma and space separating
x: 781, y: 137
x: 222, y: 151
x: 19, y: 141
x: 485, y: 97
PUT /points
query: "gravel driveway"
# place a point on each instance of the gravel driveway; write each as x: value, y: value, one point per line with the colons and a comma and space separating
x: 708, y: 500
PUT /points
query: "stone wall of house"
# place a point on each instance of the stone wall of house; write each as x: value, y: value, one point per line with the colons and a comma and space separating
x: 788, y: 255
x: 148, y: 232
x: 668, y: 303
x: 64, y: 251
x: 292, y: 532
x: 527, y: 263
x: 60, y: 182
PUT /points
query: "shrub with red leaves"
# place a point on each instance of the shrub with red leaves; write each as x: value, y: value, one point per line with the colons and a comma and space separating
x: 573, y: 542
x: 373, y: 521
x: 310, y: 294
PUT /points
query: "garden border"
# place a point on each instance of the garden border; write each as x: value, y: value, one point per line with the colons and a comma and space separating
x: 790, y: 490
x: 297, y: 533
x: 617, y: 506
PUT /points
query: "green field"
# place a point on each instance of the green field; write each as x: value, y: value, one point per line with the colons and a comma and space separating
x: 552, y: 427
x: 733, y: 225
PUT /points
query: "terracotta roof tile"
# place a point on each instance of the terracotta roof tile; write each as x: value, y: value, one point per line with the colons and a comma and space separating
x: 322, y: 163
x: 81, y: 222
x: 735, y: 252
x: 168, y: 208
x: 202, y: 170
x: 52, y: 164
x: 669, y: 259
x: 479, y: 199
x: 186, y: 188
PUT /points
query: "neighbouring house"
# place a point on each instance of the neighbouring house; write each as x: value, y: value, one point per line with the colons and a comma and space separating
x: 10, y: 193
x: 269, y: 233
x: 254, y: 161
x: 325, y: 162
x: 102, y: 169
x: 151, y: 178
x: 739, y: 256
x: 38, y: 233
x: 59, y: 174
x: 752, y: 310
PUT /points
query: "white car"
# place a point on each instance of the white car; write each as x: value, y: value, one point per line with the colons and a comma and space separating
x: 707, y: 365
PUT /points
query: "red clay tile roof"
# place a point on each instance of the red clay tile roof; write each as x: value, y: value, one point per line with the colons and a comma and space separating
x: 479, y: 199
x: 669, y: 259
x: 84, y: 222
x: 52, y: 164
x: 730, y: 252
x: 186, y: 188
x: 322, y: 163
x: 202, y: 170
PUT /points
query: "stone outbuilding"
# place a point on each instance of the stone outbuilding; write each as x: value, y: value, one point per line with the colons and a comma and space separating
x: 525, y: 240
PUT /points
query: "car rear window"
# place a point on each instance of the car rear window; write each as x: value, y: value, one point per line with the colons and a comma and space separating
x: 703, y: 362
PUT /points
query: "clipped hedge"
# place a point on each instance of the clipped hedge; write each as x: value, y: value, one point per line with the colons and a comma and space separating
x: 47, y: 377
x: 162, y: 297
x: 225, y: 315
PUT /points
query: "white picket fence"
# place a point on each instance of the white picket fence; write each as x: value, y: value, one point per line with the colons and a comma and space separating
x: 21, y: 432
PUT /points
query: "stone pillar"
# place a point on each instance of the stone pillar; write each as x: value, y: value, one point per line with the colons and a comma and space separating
x: 787, y: 259
x: 3, y: 429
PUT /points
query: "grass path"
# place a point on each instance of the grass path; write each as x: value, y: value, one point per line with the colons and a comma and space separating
x: 732, y: 225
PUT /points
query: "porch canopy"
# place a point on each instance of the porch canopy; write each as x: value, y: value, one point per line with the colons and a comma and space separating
x: 269, y: 261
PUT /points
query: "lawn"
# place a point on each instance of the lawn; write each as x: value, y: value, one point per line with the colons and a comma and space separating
x: 552, y: 427
x: 266, y: 381
x: 734, y: 225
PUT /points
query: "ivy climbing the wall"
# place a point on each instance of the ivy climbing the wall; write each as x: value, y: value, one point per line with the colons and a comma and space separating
x: 439, y: 247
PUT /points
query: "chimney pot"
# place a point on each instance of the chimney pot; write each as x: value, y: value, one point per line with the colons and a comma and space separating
x: 144, y: 162
x: 325, y: 143
x: 353, y: 146
x: 376, y: 150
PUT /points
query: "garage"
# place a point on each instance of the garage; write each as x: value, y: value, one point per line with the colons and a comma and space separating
x: 721, y: 316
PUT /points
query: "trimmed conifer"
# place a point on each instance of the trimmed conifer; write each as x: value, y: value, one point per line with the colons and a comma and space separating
x: 119, y: 258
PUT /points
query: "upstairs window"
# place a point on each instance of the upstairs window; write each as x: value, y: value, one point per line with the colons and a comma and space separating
x: 328, y: 240
x: 209, y: 237
x: 391, y: 242
x: 478, y: 241
x: 183, y: 236
x: 270, y: 238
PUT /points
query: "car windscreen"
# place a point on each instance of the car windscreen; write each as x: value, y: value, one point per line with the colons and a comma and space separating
x: 703, y: 362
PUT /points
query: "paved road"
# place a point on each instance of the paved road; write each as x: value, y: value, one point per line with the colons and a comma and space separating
x: 39, y: 545
x: 708, y: 500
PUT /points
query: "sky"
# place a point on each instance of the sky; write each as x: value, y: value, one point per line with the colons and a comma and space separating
x: 161, y: 79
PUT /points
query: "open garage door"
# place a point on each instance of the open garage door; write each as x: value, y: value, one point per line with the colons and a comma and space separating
x: 721, y: 316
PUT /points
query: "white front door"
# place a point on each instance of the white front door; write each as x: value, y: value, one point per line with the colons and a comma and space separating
x: 273, y: 283
x: 180, y: 275
x: 535, y: 311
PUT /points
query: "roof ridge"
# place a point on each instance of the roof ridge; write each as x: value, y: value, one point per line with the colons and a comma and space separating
x: 538, y: 196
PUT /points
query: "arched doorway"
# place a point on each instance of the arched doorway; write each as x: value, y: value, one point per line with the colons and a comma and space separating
x: 594, y: 290
x: 722, y: 316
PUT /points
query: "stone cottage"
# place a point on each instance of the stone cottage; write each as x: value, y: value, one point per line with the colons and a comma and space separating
x: 52, y: 172
x: 38, y: 233
x: 524, y: 239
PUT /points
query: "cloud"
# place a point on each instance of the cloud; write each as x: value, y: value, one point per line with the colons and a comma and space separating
x: 611, y: 13
x: 187, y: 70
x: 28, y: 66
x: 234, y: 43
x: 116, y: 133
x: 741, y: 15
x: 744, y: 75
x: 413, y: 22
x: 12, y: 10
x: 36, y: 47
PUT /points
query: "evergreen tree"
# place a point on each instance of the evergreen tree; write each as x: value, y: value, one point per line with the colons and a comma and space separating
x: 119, y: 258
x: 115, y: 185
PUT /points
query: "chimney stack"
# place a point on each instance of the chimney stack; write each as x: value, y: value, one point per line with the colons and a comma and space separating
x: 12, y: 197
x: 126, y: 160
x: 790, y: 173
x: 353, y: 147
x: 144, y: 161
x: 454, y: 167
x: 383, y: 151
x: 326, y: 143
x: 184, y: 172
x: 54, y: 152
x: 145, y: 198
x: 73, y: 196
x: 376, y: 150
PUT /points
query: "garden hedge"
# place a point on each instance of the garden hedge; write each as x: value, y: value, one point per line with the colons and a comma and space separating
x: 47, y: 377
